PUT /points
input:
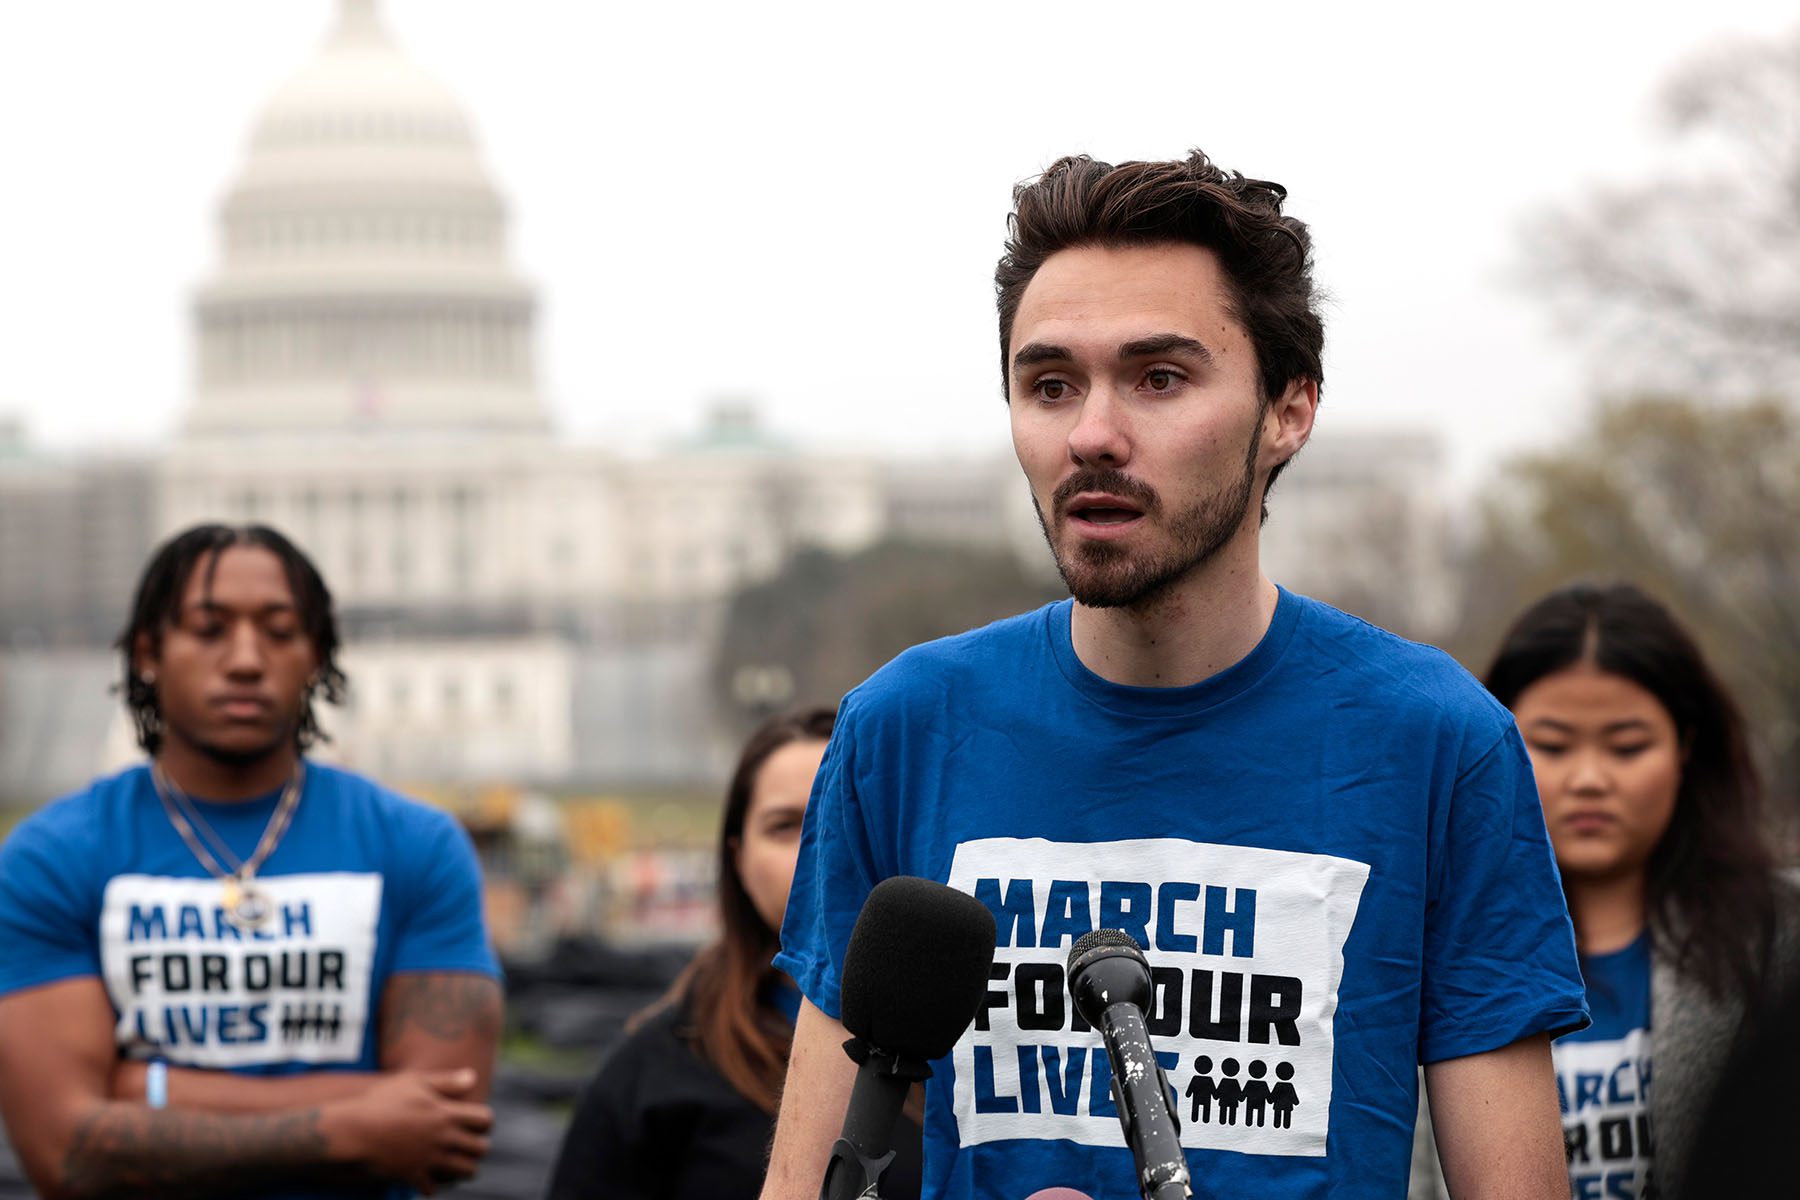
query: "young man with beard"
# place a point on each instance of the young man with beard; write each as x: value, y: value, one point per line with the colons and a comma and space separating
x: 233, y: 970
x: 1326, y: 838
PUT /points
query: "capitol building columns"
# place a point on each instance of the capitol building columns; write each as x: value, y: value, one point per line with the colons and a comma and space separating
x: 516, y: 605
x: 364, y: 358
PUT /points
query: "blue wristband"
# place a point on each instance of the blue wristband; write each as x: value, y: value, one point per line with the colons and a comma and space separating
x: 156, y: 1084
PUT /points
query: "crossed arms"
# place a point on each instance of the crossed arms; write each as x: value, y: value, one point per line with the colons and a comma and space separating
x: 77, y: 1117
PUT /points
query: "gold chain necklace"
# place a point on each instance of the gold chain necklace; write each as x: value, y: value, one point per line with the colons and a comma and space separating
x: 247, y: 906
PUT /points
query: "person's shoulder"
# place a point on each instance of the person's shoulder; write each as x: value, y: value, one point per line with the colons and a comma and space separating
x: 978, y: 655
x: 656, y: 1045
x: 666, y: 1026
x: 58, y: 860
x: 83, y: 819
x: 357, y: 794
x: 1403, y: 675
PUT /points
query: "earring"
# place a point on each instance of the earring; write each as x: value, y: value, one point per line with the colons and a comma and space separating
x: 148, y: 678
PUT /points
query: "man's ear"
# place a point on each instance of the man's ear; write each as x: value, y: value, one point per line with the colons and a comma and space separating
x: 1288, y: 421
x: 143, y: 652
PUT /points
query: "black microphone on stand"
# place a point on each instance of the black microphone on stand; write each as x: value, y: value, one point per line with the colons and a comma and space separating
x: 914, y: 974
x: 1109, y: 980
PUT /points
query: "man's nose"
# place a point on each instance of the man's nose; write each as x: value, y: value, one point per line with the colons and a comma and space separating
x: 243, y: 650
x: 1100, y: 436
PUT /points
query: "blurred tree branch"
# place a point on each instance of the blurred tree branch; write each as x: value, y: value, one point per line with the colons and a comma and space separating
x: 1698, y: 503
x: 1686, y: 289
x: 1690, y: 281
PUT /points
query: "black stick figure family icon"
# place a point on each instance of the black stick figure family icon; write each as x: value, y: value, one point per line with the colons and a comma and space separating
x: 1258, y: 1097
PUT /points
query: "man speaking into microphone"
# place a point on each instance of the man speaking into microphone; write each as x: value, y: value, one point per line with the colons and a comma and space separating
x: 1326, y: 839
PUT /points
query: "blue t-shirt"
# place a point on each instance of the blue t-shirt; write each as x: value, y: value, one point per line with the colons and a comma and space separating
x: 1332, y: 852
x: 365, y: 884
x: 1603, y: 1079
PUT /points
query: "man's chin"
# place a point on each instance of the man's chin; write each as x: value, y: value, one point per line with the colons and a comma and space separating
x: 239, y: 747
x: 1117, y: 581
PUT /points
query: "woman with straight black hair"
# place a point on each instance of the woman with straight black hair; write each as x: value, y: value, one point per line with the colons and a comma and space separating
x: 683, y: 1110
x: 1655, y: 814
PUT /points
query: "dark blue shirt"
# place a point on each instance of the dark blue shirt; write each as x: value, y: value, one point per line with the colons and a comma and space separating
x: 1603, y: 1079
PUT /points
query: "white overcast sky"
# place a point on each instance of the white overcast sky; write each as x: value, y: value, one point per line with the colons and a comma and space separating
x: 802, y: 204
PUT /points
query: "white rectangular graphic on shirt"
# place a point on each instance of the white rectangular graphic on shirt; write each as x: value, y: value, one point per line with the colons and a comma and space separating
x: 199, y: 991
x: 1246, y: 948
x: 1604, y: 1090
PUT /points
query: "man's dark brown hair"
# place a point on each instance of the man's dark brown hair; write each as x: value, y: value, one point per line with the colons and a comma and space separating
x: 1266, y: 257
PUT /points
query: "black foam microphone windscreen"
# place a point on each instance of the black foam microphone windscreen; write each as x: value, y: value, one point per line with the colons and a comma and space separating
x: 917, y: 966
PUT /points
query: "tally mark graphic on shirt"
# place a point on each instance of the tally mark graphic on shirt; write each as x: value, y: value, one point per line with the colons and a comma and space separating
x: 1246, y: 948
x: 201, y: 992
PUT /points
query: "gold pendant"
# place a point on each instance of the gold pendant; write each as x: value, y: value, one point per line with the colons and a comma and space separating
x: 246, y: 905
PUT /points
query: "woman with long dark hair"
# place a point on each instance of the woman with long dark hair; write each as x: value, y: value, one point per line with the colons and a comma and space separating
x: 1655, y: 814
x: 684, y: 1108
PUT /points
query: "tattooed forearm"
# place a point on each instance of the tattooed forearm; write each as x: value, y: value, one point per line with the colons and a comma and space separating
x: 447, y: 1006
x: 125, y: 1150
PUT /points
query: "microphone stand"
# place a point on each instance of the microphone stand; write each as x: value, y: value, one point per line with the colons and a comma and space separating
x: 1165, y: 1175
x: 1110, y: 983
x: 851, y: 1173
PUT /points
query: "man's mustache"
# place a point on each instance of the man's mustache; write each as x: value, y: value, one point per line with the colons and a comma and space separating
x: 1104, y: 479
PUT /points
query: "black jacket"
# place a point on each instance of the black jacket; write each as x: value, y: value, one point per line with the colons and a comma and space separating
x: 658, y: 1122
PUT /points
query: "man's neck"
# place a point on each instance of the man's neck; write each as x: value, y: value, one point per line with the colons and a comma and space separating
x: 202, y: 775
x: 1609, y: 913
x: 1201, y: 626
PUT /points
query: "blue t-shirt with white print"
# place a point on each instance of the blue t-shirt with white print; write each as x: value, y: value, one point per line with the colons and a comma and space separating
x: 1332, y: 852
x: 364, y: 884
x: 1603, y: 1079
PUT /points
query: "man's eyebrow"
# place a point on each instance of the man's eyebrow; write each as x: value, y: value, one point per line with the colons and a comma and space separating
x: 1033, y: 353
x: 1165, y: 343
x: 207, y: 604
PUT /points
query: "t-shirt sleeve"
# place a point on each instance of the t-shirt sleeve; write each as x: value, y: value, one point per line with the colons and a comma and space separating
x: 49, y: 918
x: 1500, y: 959
x: 439, y: 923
x: 833, y: 877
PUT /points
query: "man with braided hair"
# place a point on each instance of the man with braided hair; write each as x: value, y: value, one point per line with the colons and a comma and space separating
x: 1326, y: 838
x: 233, y: 970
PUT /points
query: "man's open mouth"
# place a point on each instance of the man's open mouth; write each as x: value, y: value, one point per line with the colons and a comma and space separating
x: 1102, y: 510
x: 1106, y: 516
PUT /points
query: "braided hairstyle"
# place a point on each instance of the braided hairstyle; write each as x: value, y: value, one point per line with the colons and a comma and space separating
x: 158, y: 603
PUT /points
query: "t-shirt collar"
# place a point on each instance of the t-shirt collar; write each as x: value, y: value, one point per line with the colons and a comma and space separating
x: 1214, y: 690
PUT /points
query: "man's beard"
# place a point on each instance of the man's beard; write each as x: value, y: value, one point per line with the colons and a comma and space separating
x: 1109, y: 575
x: 234, y: 757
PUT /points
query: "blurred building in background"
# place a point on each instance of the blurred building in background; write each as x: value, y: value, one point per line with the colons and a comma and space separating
x: 525, y: 617
x: 1363, y: 520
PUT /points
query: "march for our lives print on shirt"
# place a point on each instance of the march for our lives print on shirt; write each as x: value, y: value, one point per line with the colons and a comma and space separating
x: 1603, y: 1080
x: 1246, y: 952
x: 364, y: 884
x: 197, y: 990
